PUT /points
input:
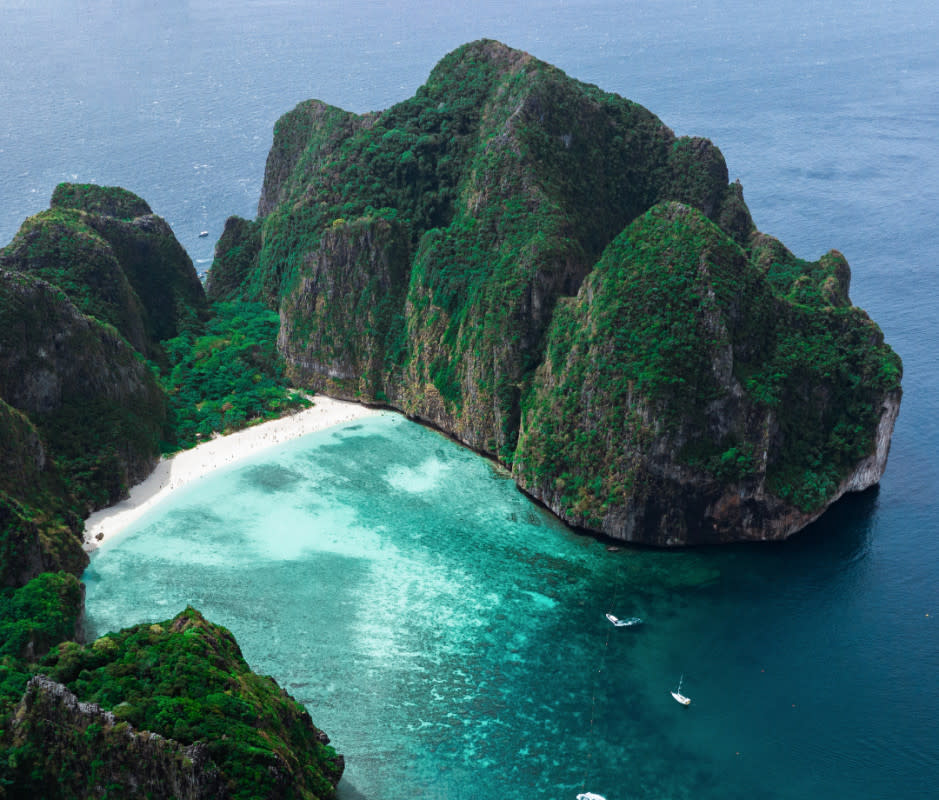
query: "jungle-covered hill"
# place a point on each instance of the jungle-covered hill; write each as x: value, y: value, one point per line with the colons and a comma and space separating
x: 545, y: 271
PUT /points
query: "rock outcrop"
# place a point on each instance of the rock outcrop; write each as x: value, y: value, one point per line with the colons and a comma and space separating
x: 81, y: 416
x: 74, y: 734
x: 457, y: 256
x: 117, y: 261
x: 669, y: 407
x: 164, y: 710
x: 90, y: 290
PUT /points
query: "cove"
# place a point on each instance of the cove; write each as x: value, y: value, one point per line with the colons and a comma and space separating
x: 449, y: 635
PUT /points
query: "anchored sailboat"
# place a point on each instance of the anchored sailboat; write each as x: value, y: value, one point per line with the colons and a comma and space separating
x: 685, y: 701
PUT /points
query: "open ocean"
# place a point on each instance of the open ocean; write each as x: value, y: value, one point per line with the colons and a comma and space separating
x: 447, y: 634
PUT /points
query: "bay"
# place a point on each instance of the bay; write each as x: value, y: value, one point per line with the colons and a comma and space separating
x: 451, y: 636
x: 817, y: 654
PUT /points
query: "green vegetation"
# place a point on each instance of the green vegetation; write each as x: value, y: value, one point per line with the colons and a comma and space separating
x: 573, y: 289
x: 504, y: 180
x: 91, y: 399
x: 226, y: 377
x: 237, y: 248
x: 671, y: 324
x: 39, y: 615
x: 538, y: 267
x: 184, y: 679
x: 110, y: 201
x: 116, y: 262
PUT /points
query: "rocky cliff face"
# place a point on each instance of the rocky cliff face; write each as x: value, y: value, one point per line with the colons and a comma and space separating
x: 357, y: 276
x: 116, y: 260
x: 80, y: 417
x: 80, y: 383
x: 87, y: 288
x: 235, y: 259
x: 167, y: 710
x: 670, y: 409
x: 74, y: 734
x: 463, y: 257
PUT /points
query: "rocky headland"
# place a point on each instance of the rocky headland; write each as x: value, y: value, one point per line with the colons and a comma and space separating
x: 546, y: 272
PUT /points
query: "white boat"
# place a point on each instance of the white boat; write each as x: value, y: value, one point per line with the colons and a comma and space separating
x: 590, y: 796
x: 624, y: 623
x: 203, y: 234
x: 685, y: 701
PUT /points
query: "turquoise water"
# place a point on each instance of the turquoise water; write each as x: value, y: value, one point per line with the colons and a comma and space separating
x: 814, y: 659
x: 450, y: 635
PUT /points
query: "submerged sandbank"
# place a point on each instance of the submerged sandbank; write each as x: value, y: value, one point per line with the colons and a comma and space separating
x: 182, y: 468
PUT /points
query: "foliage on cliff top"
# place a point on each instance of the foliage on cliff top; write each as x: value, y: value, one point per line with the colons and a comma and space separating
x: 186, y: 679
x: 60, y: 247
x: 112, y: 201
x: 508, y: 178
x: 486, y: 113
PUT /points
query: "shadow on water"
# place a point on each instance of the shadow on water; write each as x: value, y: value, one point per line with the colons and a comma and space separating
x: 843, y: 533
x: 347, y: 791
x: 841, y: 539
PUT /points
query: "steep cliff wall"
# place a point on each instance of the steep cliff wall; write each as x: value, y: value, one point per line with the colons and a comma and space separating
x: 82, y: 417
x: 447, y: 256
x: 681, y: 400
x: 53, y: 721
x: 346, y: 308
x: 95, y: 402
x: 236, y: 254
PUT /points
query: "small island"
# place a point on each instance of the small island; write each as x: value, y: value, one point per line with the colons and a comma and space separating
x: 536, y: 267
x: 544, y: 271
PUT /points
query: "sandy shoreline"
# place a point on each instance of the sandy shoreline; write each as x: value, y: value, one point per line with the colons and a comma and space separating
x: 183, y: 468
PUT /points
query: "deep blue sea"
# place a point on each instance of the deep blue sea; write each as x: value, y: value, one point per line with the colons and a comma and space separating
x: 446, y: 633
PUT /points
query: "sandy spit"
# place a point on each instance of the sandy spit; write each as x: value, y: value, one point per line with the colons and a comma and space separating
x: 183, y: 468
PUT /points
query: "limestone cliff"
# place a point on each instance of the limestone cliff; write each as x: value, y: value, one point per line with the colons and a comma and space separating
x: 462, y: 256
x: 668, y: 408
x: 83, y: 286
x: 75, y: 734
x: 84, y: 388
x: 167, y: 710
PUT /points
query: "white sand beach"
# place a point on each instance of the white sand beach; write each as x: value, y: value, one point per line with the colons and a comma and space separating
x: 183, y: 468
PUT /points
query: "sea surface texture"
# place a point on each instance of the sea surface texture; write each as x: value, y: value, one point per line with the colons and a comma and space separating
x: 447, y: 634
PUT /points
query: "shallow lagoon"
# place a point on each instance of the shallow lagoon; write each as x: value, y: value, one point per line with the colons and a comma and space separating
x: 449, y: 634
